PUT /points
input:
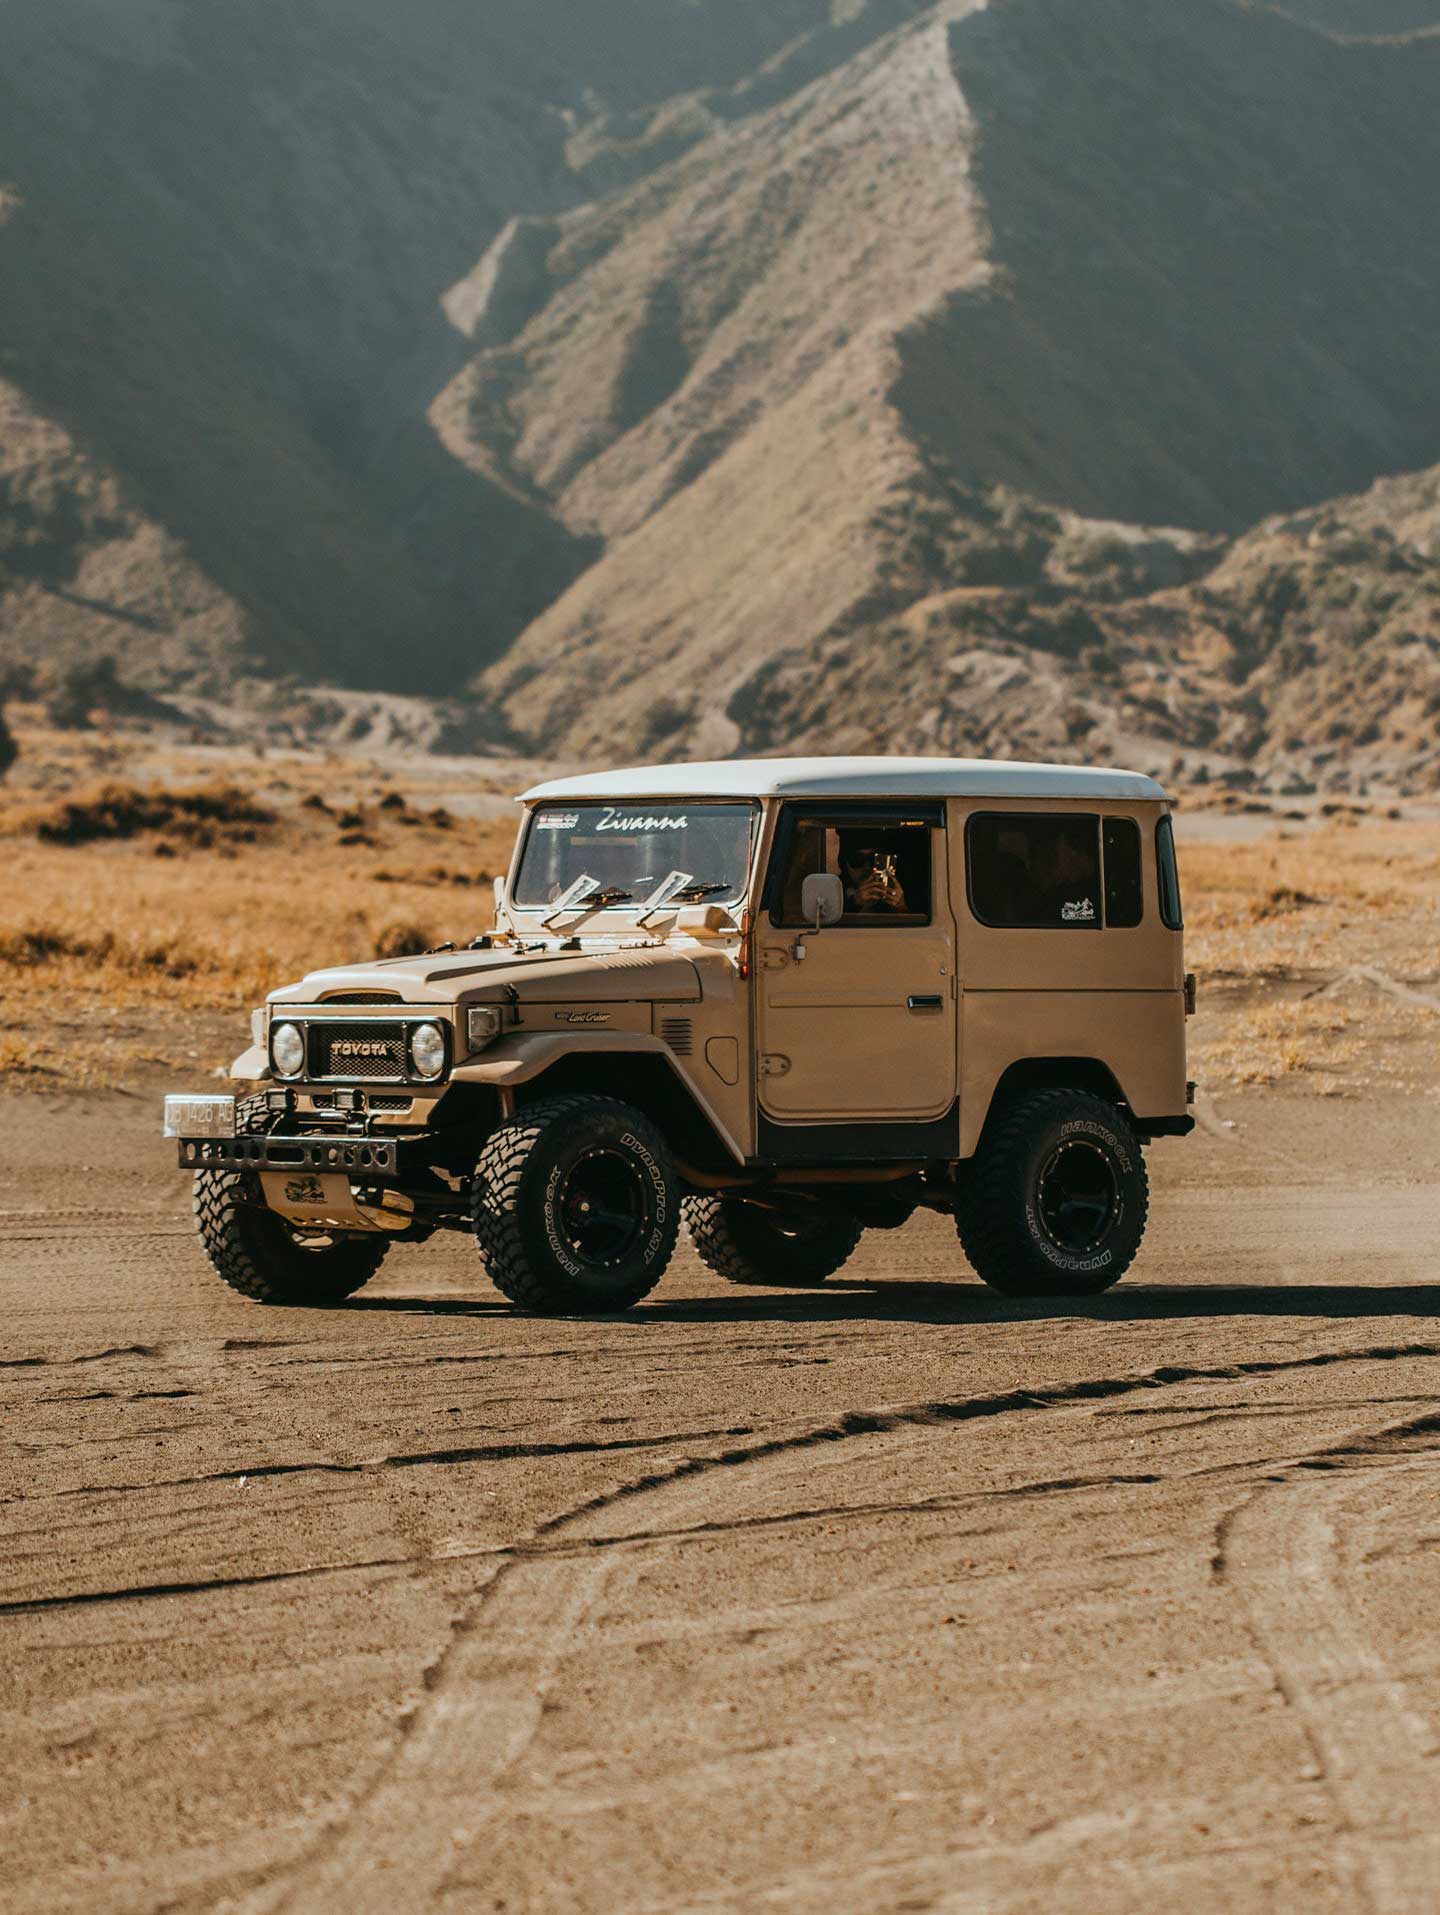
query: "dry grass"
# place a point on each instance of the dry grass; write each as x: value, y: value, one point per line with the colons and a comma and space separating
x: 149, y: 947
x: 214, y: 928
x: 1276, y: 924
x: 147, y: 905
x: 1312, y: 903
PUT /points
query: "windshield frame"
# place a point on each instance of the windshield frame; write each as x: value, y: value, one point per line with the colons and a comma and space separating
x: 731, y: 900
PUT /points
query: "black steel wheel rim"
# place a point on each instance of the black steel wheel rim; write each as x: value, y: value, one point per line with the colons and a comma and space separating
x: 1078, y: 1196
x: 602, y: 1209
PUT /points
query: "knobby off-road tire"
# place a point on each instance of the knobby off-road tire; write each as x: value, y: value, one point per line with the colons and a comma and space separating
x: 745, y: 1244
x: 257, y: 1253
x: 575, y: 1206
x: 1057, y: 1196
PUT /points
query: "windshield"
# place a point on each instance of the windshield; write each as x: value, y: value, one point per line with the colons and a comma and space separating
x: 632, y: 849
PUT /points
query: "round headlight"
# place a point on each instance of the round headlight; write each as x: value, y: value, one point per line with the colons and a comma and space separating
x: 427, y: 1050
x: 287, y: 1049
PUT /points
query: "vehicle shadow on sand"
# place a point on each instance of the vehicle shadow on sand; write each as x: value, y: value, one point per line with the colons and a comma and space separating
x: 887, y: 1301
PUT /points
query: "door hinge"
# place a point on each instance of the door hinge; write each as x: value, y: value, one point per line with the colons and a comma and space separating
x: 774, y: 1064
x: 773, y: 957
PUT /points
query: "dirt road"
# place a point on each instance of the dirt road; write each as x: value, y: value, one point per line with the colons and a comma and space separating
x: 888, y: 1596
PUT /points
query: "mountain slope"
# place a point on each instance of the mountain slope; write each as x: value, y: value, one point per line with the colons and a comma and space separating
x: 698, y: 374
x: 229, y: 231
x: 1007, y: 246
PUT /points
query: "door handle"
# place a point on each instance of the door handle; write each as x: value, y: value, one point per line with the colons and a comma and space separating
x: 924, y: 1003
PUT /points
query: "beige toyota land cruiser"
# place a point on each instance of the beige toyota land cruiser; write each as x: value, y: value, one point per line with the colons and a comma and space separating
x: 788, y: 1000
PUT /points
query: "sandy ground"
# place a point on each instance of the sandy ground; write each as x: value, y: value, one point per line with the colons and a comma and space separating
x: 893, y: 1595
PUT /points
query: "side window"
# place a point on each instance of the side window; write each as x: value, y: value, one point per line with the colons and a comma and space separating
x: 884, y: 866
x: 1169, y: 875
x: 1028, y: 870
x: 1124, y: 891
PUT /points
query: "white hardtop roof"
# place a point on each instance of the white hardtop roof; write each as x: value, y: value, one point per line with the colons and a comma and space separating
x: 852, y: 778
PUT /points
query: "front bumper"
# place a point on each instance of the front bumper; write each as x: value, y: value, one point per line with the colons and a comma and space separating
x: 376, y: 1160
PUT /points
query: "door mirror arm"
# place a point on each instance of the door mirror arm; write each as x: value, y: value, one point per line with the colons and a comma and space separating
x: 822, y: 902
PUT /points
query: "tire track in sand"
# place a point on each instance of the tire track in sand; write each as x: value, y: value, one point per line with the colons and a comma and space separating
x: 1283, y: 1553
x: 486, y: 1691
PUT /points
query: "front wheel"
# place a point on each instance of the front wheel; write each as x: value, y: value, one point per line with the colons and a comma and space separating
x: 796, y: 1244
x: 575, y: 1206
x: 257, y: 1253
x: 1056, y: 1198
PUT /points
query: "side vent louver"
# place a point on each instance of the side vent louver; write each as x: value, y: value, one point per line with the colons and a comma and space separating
x: 676, y: 1032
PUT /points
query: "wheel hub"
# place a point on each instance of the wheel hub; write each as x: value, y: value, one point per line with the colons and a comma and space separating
x: 601, y: 1207
x: 1078, y: 1196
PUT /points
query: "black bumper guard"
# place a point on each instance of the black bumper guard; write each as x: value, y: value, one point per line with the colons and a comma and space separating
x: 374, y: 1159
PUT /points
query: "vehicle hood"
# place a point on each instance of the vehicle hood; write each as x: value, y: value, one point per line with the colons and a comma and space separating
x: 535, y: 977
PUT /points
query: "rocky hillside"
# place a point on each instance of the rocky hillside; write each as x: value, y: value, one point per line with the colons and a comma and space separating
x: 226, y: 236
x: 1305, y: 653
x: 730, y: 375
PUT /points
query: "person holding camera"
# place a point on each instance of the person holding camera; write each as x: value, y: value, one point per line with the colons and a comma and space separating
x: 868, y: 874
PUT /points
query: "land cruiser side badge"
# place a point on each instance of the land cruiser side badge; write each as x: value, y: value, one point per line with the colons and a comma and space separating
x: 1082, y: 911
x: 583, y: 1017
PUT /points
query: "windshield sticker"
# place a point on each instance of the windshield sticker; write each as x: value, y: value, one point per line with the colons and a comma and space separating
x: 612, y: 820
x: 557, y: 821
x: 1082, y: 911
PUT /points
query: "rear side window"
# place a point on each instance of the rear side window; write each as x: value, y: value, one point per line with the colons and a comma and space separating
x: 1124, y: 888
x: 1169, y: 875
x: 1029, y: 870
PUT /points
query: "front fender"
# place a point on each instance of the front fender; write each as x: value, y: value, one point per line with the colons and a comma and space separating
x: 250, y: 1066
x: 515, y: 1060
x: 520, y: 1059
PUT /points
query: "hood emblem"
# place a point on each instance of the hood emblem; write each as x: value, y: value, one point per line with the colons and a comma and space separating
x: 583, y: 1017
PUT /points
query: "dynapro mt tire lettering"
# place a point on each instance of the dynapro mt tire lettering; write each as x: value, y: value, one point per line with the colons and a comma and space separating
x: 575, y: 1206
x: 558, y: 1248
x: 1056, y: 1198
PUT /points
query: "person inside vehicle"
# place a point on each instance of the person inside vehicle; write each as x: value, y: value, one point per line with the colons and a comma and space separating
x: 867, y: 871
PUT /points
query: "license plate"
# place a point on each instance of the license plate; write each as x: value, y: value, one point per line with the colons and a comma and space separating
x: 199, y: 1117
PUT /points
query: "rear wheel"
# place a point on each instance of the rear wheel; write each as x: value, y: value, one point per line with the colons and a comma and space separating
x: 796, y: 1244
x: 1056, y: 1198
x: 257, y: 1253
x: 575, y: 1206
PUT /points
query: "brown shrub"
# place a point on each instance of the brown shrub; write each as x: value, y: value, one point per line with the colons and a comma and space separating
x: 403, y: 938
x: 43, y: 943
x: 198, y: 817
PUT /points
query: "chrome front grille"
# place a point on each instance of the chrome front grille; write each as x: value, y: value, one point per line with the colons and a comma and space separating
x: 366, y: 1052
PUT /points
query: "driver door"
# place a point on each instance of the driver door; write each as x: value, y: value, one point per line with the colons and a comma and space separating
x: 858, y: 1021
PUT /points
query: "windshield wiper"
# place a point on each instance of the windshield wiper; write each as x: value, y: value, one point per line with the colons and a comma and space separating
x: 670, y: 886
x: 574, y: 893
x: 586, y: 894
x: 697, y: 891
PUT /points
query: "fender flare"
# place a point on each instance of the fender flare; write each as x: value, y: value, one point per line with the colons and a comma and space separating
x: 512, y: 1061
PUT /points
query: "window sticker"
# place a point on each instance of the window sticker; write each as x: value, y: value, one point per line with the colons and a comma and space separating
x: 612, y: 820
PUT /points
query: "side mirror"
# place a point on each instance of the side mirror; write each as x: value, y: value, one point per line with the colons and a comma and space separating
x: 822, y: 899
